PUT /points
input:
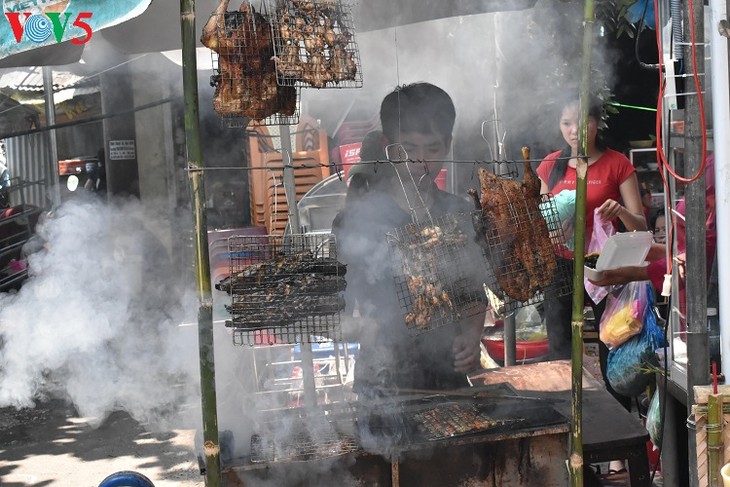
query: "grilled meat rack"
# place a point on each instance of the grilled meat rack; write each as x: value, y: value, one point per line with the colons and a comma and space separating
x: 523, y: 242
x: 284, y: 289
x: 244, y: 75
x: 438, y: 271
x: 314, y: 44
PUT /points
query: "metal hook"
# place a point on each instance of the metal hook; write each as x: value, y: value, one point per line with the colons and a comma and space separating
x: 339, y: 175
x: 401, y: 152
x: 473, y: 170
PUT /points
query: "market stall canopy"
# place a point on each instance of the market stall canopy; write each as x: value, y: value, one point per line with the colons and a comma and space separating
x: 138, y: 26
x: 59, y: 28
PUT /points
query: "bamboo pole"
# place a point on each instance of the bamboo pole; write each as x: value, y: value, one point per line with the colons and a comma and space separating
x: 576, y: 430
x: 211, y: 446
x: 715, y: 447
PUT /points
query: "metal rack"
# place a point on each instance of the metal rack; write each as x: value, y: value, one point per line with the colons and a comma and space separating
x: 314, y: 44
x: 284, y: 289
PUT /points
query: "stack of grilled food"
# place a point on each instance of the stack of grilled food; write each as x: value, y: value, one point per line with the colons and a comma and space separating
x: 284, y: 290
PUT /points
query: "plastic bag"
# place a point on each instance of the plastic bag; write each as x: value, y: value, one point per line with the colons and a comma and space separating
x: 624, y: 314
x: 602, y: 231
x: 627, y: 366
x: 654, y: 421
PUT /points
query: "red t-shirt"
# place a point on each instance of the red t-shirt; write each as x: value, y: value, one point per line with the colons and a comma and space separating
x: 604, y: 178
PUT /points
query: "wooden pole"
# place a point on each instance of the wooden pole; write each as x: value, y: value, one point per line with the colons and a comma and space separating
x: 211, y: 445
x: 576, y: 455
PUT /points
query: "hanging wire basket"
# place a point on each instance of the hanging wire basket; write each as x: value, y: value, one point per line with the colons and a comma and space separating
x: 314, y: 44
x: 524, y: 244
x: 437, y: 272
x: 284, y: 289
x: 244, y: 70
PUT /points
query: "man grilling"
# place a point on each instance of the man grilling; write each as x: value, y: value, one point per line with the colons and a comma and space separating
x: 417, y: 122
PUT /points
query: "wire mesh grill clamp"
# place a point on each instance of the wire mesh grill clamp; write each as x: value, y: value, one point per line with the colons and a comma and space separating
x: 523, y: 241
x: 244, y: 70
x: 284, y: 289
x: 437, y: 271
x: 314, y: 44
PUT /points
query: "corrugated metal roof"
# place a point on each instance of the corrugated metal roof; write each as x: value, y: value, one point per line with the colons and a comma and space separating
x: 31, y: 79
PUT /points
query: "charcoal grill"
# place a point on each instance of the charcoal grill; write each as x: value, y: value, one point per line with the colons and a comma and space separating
x: 498, y: 245
x: 284, y: 289
x: 314, y: 44
x: 437, y: 272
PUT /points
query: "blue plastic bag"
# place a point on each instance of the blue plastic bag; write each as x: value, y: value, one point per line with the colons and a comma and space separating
x: 627, y: 364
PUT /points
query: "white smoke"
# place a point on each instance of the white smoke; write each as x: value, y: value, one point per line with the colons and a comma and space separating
x: 98, y: 318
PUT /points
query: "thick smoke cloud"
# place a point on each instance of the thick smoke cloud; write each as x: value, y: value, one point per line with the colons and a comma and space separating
x: 98, y: 319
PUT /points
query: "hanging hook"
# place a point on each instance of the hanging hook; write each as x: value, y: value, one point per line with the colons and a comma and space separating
x: 473, y: 170
x: 401, y: 152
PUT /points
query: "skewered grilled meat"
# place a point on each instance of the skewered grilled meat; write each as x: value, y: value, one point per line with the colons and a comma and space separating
x: 246, y: 81
x: 515, y: 232
x: 452, y: 420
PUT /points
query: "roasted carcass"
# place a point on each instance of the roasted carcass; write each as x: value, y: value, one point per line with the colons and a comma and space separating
x: 515, y: 233
x: 245, y: 84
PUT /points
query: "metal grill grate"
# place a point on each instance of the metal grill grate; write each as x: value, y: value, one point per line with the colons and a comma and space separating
x: 437, y: 272
x: 524, y: 252
x: 314, y: 44
x: 450, y: 420
x: 244, y: 70
x: 301, y: 439
x: 284, y: 289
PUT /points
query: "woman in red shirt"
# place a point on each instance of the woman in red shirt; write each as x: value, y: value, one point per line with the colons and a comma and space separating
x: 613, y: 190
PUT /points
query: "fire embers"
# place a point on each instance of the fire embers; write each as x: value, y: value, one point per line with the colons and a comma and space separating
x: 314, y: 44
x: 432, y: 273
x: 245, y: 80
x: 512, y: 227
x: 291, y: 285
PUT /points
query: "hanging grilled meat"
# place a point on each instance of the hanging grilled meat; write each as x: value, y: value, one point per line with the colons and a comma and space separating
x: 246, y: 81
x: 515, y: 232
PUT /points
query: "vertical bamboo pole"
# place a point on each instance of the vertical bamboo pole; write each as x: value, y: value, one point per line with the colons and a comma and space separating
x: 576, y: 455
x: 211, y: 446
x: 715, y: 446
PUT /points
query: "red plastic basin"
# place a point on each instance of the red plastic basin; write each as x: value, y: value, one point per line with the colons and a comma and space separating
x: 524, y: 350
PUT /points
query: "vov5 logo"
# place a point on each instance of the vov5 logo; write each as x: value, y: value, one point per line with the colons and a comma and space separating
x: 37, y: 20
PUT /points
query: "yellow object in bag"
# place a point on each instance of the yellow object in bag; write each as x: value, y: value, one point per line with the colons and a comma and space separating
x: 624, y: 314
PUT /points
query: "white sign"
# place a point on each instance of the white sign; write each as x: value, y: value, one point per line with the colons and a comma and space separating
x: 121, y: 150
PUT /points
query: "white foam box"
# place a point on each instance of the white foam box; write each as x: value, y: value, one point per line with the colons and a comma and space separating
x: 621, y: 250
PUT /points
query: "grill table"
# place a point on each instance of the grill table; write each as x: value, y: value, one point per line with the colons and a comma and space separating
x: 609, y: 431
x: 528, y: 452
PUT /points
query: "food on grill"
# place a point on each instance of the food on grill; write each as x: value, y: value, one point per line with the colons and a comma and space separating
x: 419, y: 264
x: 591, y: 260
x: 299, y: 446
x: 515, y: 232
x: 246, y: 81
x: 284, y: 289
x: 313, y: 44
x: 451, y: 420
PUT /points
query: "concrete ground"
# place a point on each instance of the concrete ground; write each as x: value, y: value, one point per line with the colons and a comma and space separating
x: 51, y: 446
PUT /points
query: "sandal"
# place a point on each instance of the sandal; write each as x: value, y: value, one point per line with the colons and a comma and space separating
x: 615, y: 474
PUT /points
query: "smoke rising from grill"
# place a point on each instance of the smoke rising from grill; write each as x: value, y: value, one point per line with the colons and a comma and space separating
x: 97, y: 320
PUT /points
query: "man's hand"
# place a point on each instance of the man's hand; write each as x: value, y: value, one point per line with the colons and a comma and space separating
x: 467, y: 352
x: 622, y: 275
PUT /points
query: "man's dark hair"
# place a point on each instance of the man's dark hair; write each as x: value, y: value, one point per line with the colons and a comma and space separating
x: 419, y: 107
x: 595, y: 111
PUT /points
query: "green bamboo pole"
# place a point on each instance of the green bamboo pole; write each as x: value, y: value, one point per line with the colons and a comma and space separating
x: 714, y: 440
x: 211, y: 446
x: 576, y: 430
